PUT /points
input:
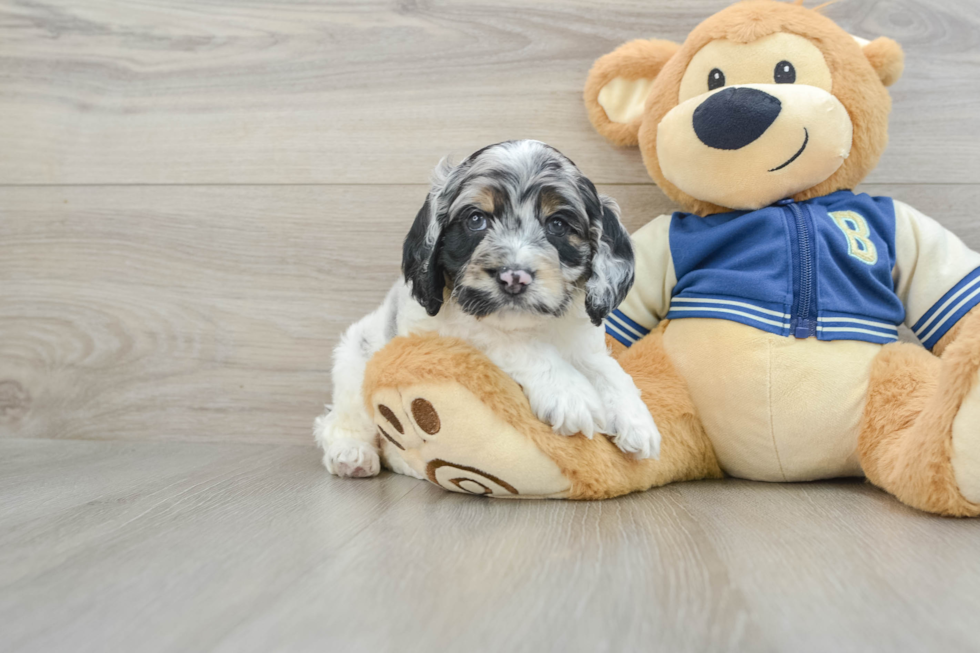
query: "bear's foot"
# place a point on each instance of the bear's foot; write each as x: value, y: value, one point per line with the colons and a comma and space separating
x: 965, y: 456
x: 965, y: 449
x: 443, y: 433
x: 921, y: 434
x: 445, y: 412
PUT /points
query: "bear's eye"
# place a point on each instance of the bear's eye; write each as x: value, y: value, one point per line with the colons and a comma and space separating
x: 784, y: 73
x: 716, y: 79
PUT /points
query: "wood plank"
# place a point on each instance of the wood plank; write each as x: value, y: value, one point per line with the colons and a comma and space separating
x: 358, y: 92
x: 186, y: 313
x: 163, y: 546
x: 220, y: 547
x: 209, y: 313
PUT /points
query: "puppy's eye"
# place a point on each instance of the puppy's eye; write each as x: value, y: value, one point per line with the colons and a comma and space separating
x: 716, y: 79
x: 557, y: 227
x: 476, y: 222
x: 784, y: 73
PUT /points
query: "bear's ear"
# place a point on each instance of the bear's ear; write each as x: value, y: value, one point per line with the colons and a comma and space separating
x: 886, y: 58
x: 618, y: 85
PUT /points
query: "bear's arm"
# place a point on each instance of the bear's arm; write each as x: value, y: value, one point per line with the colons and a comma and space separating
x: 649, y: 299
x: 936, y: 275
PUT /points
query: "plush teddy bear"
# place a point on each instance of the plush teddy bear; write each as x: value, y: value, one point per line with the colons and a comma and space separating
x: 762, y: 328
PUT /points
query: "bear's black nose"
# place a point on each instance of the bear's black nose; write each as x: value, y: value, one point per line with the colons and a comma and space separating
x: 735, y: 117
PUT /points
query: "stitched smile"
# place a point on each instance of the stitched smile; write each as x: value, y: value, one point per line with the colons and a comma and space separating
x: 806, y: 139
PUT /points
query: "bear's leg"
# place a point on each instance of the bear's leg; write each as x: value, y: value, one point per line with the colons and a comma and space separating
x: 668, y: 399
x: 477, y: 432
x: 920, y: 438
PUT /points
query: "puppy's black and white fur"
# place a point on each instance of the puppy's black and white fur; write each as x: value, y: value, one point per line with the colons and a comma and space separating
x: 515, y: 252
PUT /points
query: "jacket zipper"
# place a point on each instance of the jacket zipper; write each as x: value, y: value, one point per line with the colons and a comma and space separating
x: 803, y: 324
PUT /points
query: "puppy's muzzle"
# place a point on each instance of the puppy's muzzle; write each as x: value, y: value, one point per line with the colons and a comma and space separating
x: 514, y: 281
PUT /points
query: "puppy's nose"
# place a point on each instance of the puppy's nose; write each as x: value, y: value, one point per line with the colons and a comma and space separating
x: 514, y: 281
x: 735, y: 117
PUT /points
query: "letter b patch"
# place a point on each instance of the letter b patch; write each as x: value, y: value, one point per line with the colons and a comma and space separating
x: 856, y: 231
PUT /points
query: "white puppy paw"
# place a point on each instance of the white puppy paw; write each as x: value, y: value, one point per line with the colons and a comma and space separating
x: 570, y: 407
x: 631, y: 427
x: 352, y: 458
x: 348, y: 445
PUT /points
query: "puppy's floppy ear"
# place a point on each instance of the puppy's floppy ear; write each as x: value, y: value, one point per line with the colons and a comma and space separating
x: 420, y: 257
x: 612, y: 258
x: 618, y: 85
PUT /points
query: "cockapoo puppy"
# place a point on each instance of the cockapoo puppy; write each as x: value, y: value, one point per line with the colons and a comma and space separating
x: 516, y: 253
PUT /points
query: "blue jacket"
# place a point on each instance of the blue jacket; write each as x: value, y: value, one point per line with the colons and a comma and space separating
x: 838, y: 267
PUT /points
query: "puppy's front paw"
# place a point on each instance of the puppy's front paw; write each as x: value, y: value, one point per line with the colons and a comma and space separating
x: 570, y: 408
x: 631, y: 427
x: 352, y: 458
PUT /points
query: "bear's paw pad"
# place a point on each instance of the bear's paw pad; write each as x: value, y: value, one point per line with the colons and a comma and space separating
x: 451, y: 438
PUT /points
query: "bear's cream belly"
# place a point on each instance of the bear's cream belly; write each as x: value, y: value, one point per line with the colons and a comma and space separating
x: 775, y: 408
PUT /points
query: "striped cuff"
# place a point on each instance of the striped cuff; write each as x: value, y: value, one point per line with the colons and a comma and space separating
x: 839, y: 326
x: 623, y: 329
x: 945, y: 313
x: 768, y: 318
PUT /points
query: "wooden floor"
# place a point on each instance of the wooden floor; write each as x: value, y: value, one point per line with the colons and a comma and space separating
x: 196, y: 197
x: 164, y: 546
